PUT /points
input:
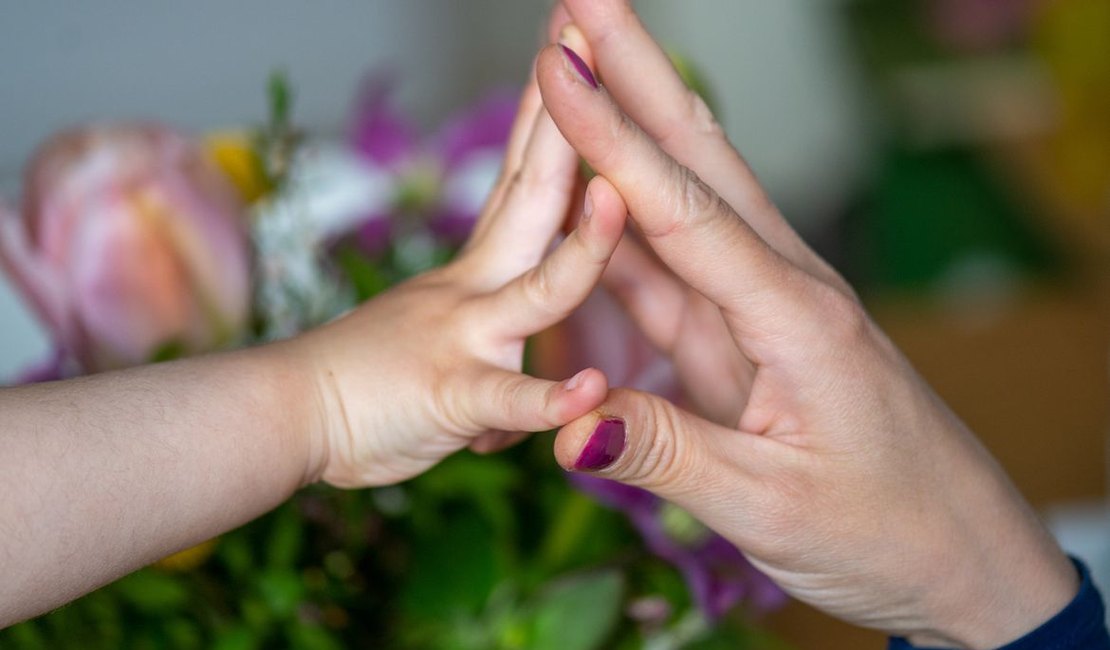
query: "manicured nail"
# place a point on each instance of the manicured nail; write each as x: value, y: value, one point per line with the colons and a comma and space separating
x: 604, y: 446
x: 580, y: 66
x: 587, y: 208
x: 574, y: 382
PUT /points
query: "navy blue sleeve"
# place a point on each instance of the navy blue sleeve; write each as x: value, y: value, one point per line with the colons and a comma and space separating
x: 1079, y: 626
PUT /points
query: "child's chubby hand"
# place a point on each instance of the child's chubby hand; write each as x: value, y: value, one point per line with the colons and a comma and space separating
x: 434, y: 365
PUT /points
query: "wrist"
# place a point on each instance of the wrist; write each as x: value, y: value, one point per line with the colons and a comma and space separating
x: 300, y: 403
x: 1001, y: 591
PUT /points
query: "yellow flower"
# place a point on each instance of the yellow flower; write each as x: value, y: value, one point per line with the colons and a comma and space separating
x: 235, y: 155
x: 188, y: 559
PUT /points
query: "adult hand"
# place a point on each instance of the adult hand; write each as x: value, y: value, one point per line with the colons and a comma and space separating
x: 826, y: 459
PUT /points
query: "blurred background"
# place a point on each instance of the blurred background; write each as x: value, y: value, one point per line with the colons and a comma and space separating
x: 951, y: 157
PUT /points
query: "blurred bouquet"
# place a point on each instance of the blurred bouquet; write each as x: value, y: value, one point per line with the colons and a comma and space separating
x: 136, y: 244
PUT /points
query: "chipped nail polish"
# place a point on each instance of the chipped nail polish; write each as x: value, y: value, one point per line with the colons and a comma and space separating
x: 604, y: 446
x: 580, y: 66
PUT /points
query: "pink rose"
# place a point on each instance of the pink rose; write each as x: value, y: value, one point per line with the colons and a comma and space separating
x: 130, y: 245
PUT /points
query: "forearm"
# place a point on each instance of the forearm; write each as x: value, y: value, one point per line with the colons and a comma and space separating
x: 105, y: 474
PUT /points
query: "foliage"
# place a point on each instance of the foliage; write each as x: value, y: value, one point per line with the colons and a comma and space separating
x: 491, y: 552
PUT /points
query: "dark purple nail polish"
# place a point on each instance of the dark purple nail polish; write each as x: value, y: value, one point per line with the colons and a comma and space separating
x: 604, y: 446
x: 580, y: 66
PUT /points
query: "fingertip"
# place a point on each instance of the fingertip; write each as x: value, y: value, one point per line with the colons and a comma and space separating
x: 549, y: 62
x: 571, y: 36
x: 591, y: 443
x: 606, y: 200
x: 603, y: 213
x: 572, y: 437
x: 560, y: 76
x: 555, y: 23
x: 584, y: 391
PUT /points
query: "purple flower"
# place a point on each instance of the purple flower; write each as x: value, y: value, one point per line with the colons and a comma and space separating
x: 979, y: 25
x: 52, y: 369
x: 440, y: 183
x: 718, y: 575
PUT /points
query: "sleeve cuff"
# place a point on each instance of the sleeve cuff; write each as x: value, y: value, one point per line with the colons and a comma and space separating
x: 1081, y: 625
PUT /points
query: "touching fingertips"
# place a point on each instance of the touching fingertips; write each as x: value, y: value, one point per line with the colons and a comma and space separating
x: 580, y: 67
x: 603, y: 447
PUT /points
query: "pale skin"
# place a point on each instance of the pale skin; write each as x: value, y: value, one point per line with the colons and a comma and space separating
x: 816, y: 448
x: 105, y: 474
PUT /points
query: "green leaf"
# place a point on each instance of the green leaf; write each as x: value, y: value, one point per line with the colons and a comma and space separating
x: 482, y: 482
x: 312, y: 637
x: 578, y: 613
x: 184, y: 633
x: 453, y: 570
x: 286, y: 536
x: 281, y: 589
x: 26, y: 635
x: 366, y: 277
x: 239, y: 637
x: 152, y: 592
x: 280, y: 95
x: 235, y: 552
x: 168, y: 351
x: 570, y: 526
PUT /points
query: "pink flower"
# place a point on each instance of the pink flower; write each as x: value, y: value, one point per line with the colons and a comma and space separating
x: 129, y: 246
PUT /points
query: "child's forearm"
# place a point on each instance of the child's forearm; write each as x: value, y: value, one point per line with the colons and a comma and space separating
x: 105, y: 474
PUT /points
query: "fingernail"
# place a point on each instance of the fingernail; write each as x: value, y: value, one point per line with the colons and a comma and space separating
x: 580, y: 66
x: 575, y: 381
x: 604, y: 446
x: 587, y: 208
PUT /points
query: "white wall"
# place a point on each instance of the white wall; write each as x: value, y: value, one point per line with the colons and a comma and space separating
x: 785, y: 84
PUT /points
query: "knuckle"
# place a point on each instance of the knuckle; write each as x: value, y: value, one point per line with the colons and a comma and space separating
x: 536, y: 285
x: 694, y: 118
x: 702, y: 118
x: 663, y: 463
x: 698, y: 198
x: 621, y: 130
x: 841, y: 313
x: 696, y: 202
x: 536, y: 177
x: 451, y: 411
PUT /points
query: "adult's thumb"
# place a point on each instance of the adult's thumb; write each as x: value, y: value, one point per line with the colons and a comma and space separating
x: 644, y: 440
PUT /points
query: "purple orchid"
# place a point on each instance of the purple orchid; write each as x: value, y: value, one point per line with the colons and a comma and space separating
x: 718, y: 575
x: 441, y: 183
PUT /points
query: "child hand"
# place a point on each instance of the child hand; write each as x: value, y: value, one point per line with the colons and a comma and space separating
x: 434, y: 365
